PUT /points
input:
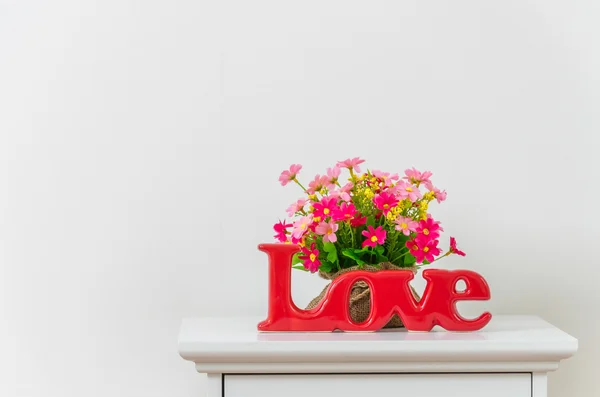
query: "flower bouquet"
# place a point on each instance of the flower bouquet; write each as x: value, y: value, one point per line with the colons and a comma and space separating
x: 371, y: 221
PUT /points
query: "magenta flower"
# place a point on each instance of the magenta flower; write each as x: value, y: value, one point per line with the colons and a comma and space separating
x: 374, y: 236
x: 327, y: 230
x: 385, y: 202
x: 406, y: 190
x: 296, y: 207
x: 423, y: 250
x: 440, y: 195
x: 324, y: 208
x: 428, y: 229
x: 417, y: 177
x: 301, y: 226
x: 453, y: 248
x: 345, y: 212
x: 289, y: 175
x: 310, y: 258
x: 351, y: 164
x: 281, y: 230
x: 406, y: 225
x: 317, y: 184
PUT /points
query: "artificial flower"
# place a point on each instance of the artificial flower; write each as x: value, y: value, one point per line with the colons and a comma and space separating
x: 358, y: 220
x: 417, y: 177
x: 301, y: 226
x: 317, y: 184
x: 281, y: 230
x: 325, y: 208
x: 428, y: 229
x: 406, y: 190
x: 453, y: 248
x: 289, y: 175
x: 440, y: 195
x: 423, y: 250
x: 406, y: 225
x: 345, y: 212
x: 351, y: 164
x: 332, y: 177
x: 296, y: 207
x: 327, y: 230
x: 374, y: 236
x: 310, y: 258
x: 384, y: 202
x: 387, y: 178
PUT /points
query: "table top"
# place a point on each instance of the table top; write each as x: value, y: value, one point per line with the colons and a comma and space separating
x: 507, y: 343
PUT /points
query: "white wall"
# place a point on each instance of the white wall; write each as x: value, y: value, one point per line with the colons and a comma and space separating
x: 141, y: 143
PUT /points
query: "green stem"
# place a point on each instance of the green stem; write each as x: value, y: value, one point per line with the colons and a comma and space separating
x: 299, y: 184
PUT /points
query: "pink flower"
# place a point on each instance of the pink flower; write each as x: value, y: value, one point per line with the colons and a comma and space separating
x: 345, y: 212
x: 301, y: 226
x: 406, y: 225
x: 332, y: 177
x: 325, y: 208
x: 440, y: 195
x: 385, y: 202
x: 374, y: 236
x: 327, y: 230
x: 423, y: 250
x: 417, y: 177
x: 385, y: 177
x: 296, y: 207
x: 453, y: 248
x: 317, y: 184
x: 310, y: 258
x: 351, y: 164
x: 358, y: 220
x: 406, y: 190
x: 281, y: 230
x: 428, y: 229
x: 289, y: 175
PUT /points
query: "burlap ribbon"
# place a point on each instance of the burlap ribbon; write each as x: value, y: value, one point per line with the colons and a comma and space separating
x: 360, y: 295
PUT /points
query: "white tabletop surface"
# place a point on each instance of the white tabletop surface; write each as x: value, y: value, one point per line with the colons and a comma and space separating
x: 233, y: 344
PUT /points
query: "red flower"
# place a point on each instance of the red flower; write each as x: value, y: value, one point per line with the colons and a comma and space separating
x: 374, y: 236
x: 310, y: 258
x: 281, y: 230
x: 423, y: 250
x: 358, y: 220
x: 453, y: 248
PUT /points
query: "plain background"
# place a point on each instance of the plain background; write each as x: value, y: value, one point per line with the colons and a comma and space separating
x: 141, y: 143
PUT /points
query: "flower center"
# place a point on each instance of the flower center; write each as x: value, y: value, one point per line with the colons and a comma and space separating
x: 403, y: 225
x: 374, y: 238
x: 317, y: 218
x: 386, y: 206
x: 329, y: 231
x: 326, y: 211
x: 409, y: 189
x: 425, y: 249
x: 312, y: 257
x: 415, y: 247
x: 426, y: 232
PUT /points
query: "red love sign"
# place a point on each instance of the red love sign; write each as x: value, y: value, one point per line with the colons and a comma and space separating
x: 390, y: 294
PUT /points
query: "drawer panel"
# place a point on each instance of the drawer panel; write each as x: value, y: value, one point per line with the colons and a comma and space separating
x: 366, y: 385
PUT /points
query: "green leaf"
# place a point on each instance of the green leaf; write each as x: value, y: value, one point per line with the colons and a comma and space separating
x: 370, y: 221
x: 296, y: 259
x: 379, y: 249
x: 300, y: 267
x: 331, y: 250
x: 326, y: 266
x: 409, y: 260
x: 349, y: 252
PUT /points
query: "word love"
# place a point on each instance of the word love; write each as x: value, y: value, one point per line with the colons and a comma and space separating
x: 390, y: 294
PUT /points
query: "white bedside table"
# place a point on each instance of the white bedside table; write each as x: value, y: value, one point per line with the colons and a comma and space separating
x: 510, y: 357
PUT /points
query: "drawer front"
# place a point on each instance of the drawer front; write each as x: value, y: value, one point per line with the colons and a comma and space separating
x: 367, y: 385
